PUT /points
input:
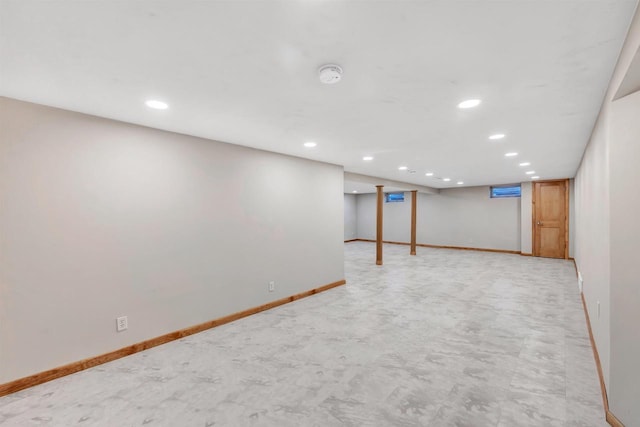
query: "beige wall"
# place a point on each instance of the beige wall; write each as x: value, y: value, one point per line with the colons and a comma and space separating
x: 526, y: 212
x: 607, y: 235
x: 465, y: 217
x: 592, y: 238
x: 461, y: 217
x: 350, y: 217
x: 100, y: 219
x: 572, y: 218
x: 624, y: 154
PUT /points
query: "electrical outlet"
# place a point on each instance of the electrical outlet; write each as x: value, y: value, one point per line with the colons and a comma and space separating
x: 122, y: 324
x: 272, y: 286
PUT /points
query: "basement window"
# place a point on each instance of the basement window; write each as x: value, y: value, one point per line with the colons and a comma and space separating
x: 393, y: 197
x: 505, y: 191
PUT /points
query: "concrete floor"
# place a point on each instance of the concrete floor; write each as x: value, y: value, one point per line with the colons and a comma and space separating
x: 444, y: 338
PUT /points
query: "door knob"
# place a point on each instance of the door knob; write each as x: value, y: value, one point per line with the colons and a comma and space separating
x: 539, y: 223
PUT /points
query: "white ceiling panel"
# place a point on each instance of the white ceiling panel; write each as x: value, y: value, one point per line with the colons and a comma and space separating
x: 245, y: 72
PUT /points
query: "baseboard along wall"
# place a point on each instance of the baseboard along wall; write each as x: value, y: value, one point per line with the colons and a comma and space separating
x: 71, y: 368
x: 609, y: 416
x: 424, y: 245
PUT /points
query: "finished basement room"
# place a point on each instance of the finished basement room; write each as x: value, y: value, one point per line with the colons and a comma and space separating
x: 319, y: 213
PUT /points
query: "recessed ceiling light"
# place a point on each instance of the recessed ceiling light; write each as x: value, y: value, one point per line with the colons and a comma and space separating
x: 530, y: 172
x: 367, y: 158
x: 156, y: 105
x: 354, y: 191
x: 497, y: 136
x: 429, y: 174
x: 525, y: 164
x: 310, y: 144
x: 535, y: 177
x: 446, y: 179
x: 403, y: 168
x: 469, y: 103
x: 460, y: 182
x: 511, y: 154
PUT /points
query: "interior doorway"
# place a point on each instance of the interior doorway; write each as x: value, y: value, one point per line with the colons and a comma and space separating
x: 551, y: 219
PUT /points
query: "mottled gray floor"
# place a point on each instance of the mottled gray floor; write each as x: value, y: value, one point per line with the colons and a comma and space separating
x: 445, y: 338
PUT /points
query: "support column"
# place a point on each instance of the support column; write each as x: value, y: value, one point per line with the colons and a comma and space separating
x: 414, y: 204
x: 379, y: 206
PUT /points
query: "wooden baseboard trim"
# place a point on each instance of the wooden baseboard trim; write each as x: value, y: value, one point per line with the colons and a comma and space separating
x: 609, y: 417
x: 71, y: 368
x: 525, y: 254
x: 462, y: 248
x: 351, y: 240
x: 575, y: 265
x: 384, y: 241
x: 596, y: 356
x: 612, y: 420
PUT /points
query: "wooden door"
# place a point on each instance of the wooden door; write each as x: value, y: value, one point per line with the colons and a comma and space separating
x: 550, y: 219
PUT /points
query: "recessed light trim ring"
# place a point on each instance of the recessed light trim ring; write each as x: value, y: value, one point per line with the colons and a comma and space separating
x: 156, y: 104
x: 469, y: 103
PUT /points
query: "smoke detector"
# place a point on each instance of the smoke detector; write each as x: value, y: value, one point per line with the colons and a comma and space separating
x: 330, y: 74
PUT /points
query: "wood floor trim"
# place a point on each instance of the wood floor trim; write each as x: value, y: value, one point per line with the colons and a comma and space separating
x: 351, y: 240
x: 575, y: 265
x: 596, y: 356
x: 71, y: 368
x: 462, y: 248
x: 424, y: 245
x: 609, y: 416
x: 612, y: 420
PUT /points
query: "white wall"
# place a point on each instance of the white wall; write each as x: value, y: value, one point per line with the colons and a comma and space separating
x: 624, y: 153
x: 350, y: 217
x: 526, y: 224
x: 607, y: 235
x: 100, y: 219
x: 465, y: 217
x: 592, y: 238
x: 396, y: 217
x: 572, y: 218
x: 366, y: 216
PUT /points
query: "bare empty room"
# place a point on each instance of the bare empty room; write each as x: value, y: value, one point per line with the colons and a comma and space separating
x: 319, y: 213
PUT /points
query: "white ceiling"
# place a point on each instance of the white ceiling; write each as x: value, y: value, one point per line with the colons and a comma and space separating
x: 358, y: 183
x: 363, y: 188
x: 245, y: 72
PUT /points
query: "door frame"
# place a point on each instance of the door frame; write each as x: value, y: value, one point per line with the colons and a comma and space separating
x: 534, y: 244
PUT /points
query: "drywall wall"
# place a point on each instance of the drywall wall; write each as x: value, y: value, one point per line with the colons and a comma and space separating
x: 624, y: 153
x: 396, y: 218
x: 366, y: 216
x: 607, y: 234
x: 465, y: 217
x: 101, y: 219
x: 572, y: 218
x: 350, y: 217
x: 526, y: 212
x: 592, y: 237
x: 469, y: 217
